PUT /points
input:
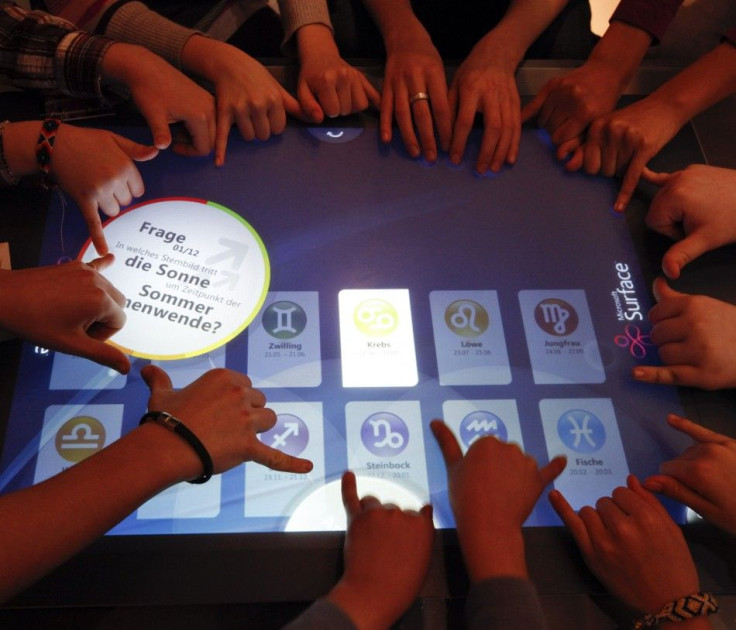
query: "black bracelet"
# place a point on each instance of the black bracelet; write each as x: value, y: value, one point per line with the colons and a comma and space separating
x: 178, y: 427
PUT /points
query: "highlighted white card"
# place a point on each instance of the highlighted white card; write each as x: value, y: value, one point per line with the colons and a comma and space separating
x: 385, y: 440
x: 185, y: 500
x: 377, y: 338
x: 586, y: 431
x: 194, y: 275
x: 299, y: 432
x: 182, y: 372
x: 70, y: 372
x: 71, y: 433
x: 284, y: 341
x: 468, y: 338
x: 560, y: 337
x: 471, y: 420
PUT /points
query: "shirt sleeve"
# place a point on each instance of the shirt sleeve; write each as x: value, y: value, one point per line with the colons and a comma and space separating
x: 45, y: 53
x: 135, y: 23
x: 322, y: 615
x: 652, y: 16
x: 505, y: 603
x: 298, y: 13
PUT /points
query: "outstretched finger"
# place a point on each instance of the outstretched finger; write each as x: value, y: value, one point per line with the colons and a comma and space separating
x: 447, y: 442
x: 278, y: 460
x: 631, y: 179
x: 665, y: 375
x: 551, y: 471
x: 349, y: 491
x: 696, y: 431
x: 572, y: 521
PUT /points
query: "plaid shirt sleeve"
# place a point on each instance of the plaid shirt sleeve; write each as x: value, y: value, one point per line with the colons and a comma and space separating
x: 46, y: 53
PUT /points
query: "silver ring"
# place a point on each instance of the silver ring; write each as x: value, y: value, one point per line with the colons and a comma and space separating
x: 419, y: 96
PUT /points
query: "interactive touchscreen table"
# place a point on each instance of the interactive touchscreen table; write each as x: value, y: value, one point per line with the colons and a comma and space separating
x: 365, y: 293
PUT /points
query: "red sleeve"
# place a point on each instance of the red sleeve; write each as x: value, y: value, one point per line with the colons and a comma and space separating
x: 652, y: 16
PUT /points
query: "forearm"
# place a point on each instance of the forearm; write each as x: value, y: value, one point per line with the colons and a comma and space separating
x: 315, y: 40
x: 702, y: 84
x: 44, y: 525
x: 523, y: 22
x: 298, y: 14
x: 492, y: 555
x: 396, y: 21
x: 620, y: 51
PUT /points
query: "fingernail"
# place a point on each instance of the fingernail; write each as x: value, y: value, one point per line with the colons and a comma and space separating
x: 638, y: 373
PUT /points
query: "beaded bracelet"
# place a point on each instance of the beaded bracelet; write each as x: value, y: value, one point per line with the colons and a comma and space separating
x: 178, y: 427
x: 45, y: 145
x: 6, y: 175
x: 696, y: 605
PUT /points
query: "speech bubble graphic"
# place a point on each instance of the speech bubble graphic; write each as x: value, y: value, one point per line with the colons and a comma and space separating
x: 194, y: 275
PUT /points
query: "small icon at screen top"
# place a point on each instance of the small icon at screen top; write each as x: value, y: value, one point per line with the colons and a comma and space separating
x: 467, y: 318
x: 556, y: 317
x: 290, y: 434
x: 480, y: 424
x: 581, y: 431
x: 384, y: 434
x: 284, y: 320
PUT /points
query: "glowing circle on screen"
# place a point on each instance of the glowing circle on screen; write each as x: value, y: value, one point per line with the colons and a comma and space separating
x: 322, y: 509
x: 194, y: 275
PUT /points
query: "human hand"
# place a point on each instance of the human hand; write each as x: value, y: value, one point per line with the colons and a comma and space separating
x: 493, y: 489
x: 387, y: 554
x: 703, y: 476
x: 70, y: 308
x: 327, y: 84
x: 694, y: 334
x: 226, y: 413
x: 623, y: 142
x: 97, y: 168
x: 696, y: 207
x: 247, y: 95
x: 566, y: 105
x: 632, y: 546
x: 414, y: 67
x: 483, y: 85
x: 164, y: 96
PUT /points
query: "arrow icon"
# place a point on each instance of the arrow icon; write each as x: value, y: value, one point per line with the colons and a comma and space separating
x: 235, y: 250
x: 292, y: 428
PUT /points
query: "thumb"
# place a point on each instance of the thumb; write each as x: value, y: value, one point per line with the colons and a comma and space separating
x: 683, y: 252
x: 533, y: 107
x: 157, y: 380
x: 292, y: 107
x: 552, y: 470
x: 159, y: 126
x: 658, y: 179
x: 662, y: 290
x: 136, y: 151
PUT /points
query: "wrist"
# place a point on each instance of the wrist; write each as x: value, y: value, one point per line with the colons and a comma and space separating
x: 368, y: 608
x: 174, y: 459
x: 19, y: 147
x: 493, y: 552
x: 690, y: 611
x: 619, y: 52
x: 315, y: 40
x: 201, y: 55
